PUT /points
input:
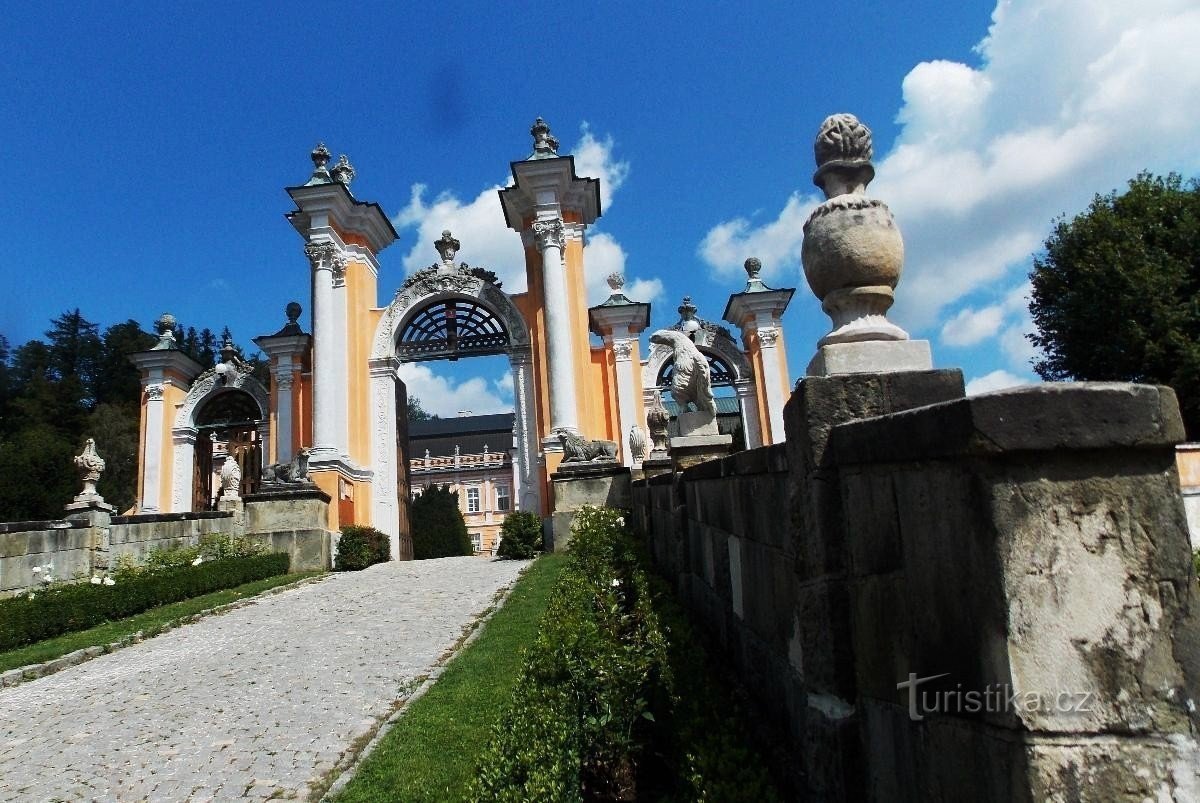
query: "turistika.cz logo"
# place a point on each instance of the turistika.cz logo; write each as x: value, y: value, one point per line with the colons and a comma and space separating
x: 988, y: 700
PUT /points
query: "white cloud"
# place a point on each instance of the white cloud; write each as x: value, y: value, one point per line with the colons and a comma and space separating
x: 970, y: 326
x: 446, y: 396
x: 1070, y: 98
x: 486, y: 241
x: 996, y: 380
x: 504, y: 385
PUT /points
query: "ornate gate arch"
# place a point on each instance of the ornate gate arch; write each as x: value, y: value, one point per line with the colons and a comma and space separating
x: 446, y: 312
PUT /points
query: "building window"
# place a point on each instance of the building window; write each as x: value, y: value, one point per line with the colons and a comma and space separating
x: 503, y: 500
x: 477, y: 542
x: 472, y: 500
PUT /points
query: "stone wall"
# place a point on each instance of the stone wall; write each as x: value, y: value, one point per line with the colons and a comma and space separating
x: 1031, y: 542
x: 89, y: 542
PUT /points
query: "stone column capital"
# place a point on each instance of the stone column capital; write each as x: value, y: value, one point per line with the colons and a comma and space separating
x: 548, y: 233
x: 321, y: 254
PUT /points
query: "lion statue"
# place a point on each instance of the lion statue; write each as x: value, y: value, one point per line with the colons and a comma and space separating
x: 293, y: 473
x: 578, y: 450
x: 690, y: 381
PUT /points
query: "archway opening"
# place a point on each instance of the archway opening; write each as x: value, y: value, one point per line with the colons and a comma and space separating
x: 228, y: 428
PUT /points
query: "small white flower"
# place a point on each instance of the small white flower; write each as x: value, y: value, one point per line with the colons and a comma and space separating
x: 32, y: 595
x: 47, y: 579
x: 108, y: 581
x: 36, y: 570
x: 620, y: 521
x: 198, y: 561
x: 95, y: 579
x: 615, y: 583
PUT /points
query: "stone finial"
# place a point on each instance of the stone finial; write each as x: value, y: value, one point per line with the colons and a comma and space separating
x: 447, y: 247
x: 545, y: 144
x: 657, y: 421
x: 688, y: 323
x: 343, y: 172
x: 753, y: 268
x: 165, y: 327
x: 231, y: 475
x: 843, y: 151
x: 616, y: 281
x: 852, y: 251
x: 90, y: 466
x: 320, y: 158
x: 292, y: 311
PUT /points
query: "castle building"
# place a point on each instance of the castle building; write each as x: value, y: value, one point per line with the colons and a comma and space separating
x: 334, y: 391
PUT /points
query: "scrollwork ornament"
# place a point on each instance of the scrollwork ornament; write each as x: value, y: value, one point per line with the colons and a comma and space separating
x: 154, y: 392
x: 548, y: 233
x: 339, y: 262
x: 320, y: 254
x: 768, y: 337
x: 623, y: 349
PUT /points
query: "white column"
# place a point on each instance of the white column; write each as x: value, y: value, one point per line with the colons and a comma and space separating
x: 751, y: 426
x: 341, y: 365
x: 524, y: 407
x: 325, y: 446
x: 283, y: 409
x: 626, y: 401
x: 152, y: 456
x: 772, y: 382
x: 184, y: 469
x: 384, y: 512
x: 548, y: 234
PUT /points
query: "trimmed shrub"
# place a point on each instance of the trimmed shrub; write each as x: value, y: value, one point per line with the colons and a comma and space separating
x: 438, y: 529
x: 616, y: 700
x: 360, y: 547
x: 67, y: 608
x: 520, y: 535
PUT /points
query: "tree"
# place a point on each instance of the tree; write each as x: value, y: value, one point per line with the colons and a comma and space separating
x: 416, y: 412
x: 438, y: 529
x: 1116, y: 295
x: 520, y: 535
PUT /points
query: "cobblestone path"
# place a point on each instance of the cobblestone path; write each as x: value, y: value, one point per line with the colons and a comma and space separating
x: 256, y: 703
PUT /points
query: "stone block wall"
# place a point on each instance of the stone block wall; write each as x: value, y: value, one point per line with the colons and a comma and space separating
x: 1029, y: 543
x: 25, y: 545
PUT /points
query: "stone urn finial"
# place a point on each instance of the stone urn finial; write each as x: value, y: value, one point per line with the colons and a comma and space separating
x: 637, y: 443
x: 320, y: 158
x: 447, y: 247
x: 616, y: 280
x: 657, y: 421
x: 852, y: 251
x: 292, y: 311
x: 90, y: 466
x: 545, y: 144
x: 343, y: 172
x: 165, y: 327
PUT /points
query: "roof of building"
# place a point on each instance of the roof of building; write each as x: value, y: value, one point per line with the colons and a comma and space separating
x: 726, y: 405
x: 462, y: 425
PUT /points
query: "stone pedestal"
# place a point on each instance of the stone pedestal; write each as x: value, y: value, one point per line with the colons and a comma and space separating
x: 234, y: 505
x: 688, y: 450
x: 98, y: 516
x: 574, y: 485
x: 871, y: 357
x: 655, y: 465
x: 292, y: 519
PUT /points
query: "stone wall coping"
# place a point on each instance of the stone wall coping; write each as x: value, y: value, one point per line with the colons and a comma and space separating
x: 761, y: 460
x: 152, y: 518
x: 37, y: 526
x: 1071, y: 416
x: 285, y: 495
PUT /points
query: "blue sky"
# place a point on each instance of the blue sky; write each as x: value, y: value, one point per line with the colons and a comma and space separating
x: 148, y: 148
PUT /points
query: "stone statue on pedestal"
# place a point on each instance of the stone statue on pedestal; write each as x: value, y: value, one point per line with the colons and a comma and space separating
x: 691, y: 383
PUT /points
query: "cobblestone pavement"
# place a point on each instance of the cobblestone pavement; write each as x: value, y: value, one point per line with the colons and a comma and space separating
x: 256, y: 703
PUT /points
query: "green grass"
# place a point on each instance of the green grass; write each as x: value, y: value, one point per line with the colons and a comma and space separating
x: 150, y: 621
x: 430, y: 753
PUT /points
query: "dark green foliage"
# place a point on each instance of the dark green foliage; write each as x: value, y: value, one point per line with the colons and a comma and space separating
x: 520, y: 535
x: 67, y: 608
x: 1116, y: 296
x: 360, y: 547
x: 438, y: 529
x: 616, y: 701
x: 416, y: 412
x: 75, y: 385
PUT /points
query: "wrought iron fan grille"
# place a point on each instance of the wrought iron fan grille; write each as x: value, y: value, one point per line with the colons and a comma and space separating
x: 451, y: 329
x: 720, y: 372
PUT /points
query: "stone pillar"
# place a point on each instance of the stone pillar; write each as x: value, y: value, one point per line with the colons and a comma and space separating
x: 282, y: 376
x: 325, y: 356
x: 748, y: 401
x: 774, y: 381
x: 619, y: 321
x: 288, y: 351
x: 526, y: 473
x: 152, y: 454
x: 385, y: 482
x: 564, y: 408
x: 183, y: 470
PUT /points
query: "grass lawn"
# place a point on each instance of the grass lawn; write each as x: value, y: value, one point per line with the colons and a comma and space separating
x: 430, y: 753
x: 148, y: 622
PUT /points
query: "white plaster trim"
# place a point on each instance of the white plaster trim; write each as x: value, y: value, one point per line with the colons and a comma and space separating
x: 626, y: 401
x: 183, y: 470
x: 152, y: 456
x: 772, y: 381
x: 526, y: 482
x: 748, y: 401
x: 384, y: 513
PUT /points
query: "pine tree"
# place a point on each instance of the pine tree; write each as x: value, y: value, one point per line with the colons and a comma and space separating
x: 438, y: 529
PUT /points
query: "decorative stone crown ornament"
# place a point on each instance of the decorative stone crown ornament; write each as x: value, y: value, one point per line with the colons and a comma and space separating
x: 90, y: 465
x: 658, y: 421
x: 616, y: 281
x: 343, y: 172
x: 545, y: 144
x: 754, y: 284
x: 852, y: 252
x: 165, y: 326
x: 447, y: 247
x: 320, y: 158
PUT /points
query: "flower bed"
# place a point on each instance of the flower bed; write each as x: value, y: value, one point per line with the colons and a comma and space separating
x: 616, y: 700
x: 65, y: 608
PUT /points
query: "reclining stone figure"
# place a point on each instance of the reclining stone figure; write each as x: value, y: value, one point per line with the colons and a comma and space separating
x: 293, y: 473
x: 578, y: 450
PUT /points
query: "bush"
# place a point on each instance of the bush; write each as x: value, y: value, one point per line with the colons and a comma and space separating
x: 360, y: 547
x: 607, y: 706
x: 67, y: 608
x: 438, y: 529
x: 520, y: 535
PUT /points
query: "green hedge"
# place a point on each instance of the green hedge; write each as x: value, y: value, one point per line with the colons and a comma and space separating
x: 616, y: 700
x: 360, y: 547
x: 67, y: 608
x: 520, y: 535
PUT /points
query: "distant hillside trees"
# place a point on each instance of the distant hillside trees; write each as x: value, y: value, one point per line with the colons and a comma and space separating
x: 75, y: 384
